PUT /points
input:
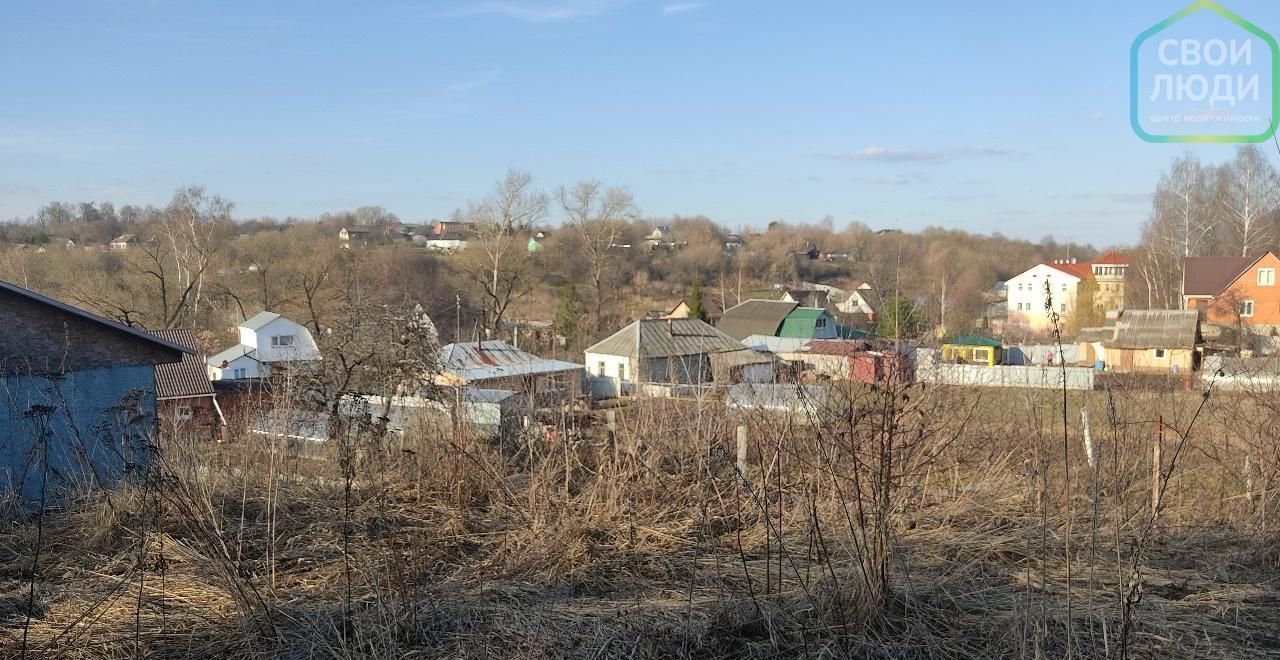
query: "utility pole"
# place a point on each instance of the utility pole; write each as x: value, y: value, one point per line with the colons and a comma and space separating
x: 457, y: 324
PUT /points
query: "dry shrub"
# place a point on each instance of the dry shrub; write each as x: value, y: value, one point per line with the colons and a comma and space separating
x: 901, y: 522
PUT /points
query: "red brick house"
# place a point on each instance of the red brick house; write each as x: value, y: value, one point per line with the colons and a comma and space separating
x: 1233, y: 290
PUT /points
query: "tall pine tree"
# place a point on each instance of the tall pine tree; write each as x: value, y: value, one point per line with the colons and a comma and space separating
x: 694, y: 300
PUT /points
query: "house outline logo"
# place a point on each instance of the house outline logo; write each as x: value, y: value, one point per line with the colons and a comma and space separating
x: 1136, y: 91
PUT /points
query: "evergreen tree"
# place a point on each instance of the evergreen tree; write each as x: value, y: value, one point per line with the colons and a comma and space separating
x: 900, y: 319
x: 694, y: 300
x: 568, y: 314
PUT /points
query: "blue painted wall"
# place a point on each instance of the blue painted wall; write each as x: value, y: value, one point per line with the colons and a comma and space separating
x: 97, y: 427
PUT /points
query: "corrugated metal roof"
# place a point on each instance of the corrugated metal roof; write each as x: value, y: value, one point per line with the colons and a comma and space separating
x: 1209, y: 276
x: 1094, y: 335
x: 776, y: 344
x: 648, y: 338
x: 741, y: 358
x: 1150, y: 328
x: 260, y: 319
x: 70, y: 309
x: 755, y: 317
x: 473, y: 361
x: 187, y: 378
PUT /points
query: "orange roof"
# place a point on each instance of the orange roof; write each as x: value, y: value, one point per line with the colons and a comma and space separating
x: 1079, y: 270
x: 1112, y: 259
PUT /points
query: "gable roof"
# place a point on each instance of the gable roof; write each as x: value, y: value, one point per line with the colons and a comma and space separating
x: 803, y: 321
x: 1112, y: 259
x: 257, y: 321
x: 472, y: 361
x: 755, y: 317
x: 650, y: 338
x: 184, y: 379
x: 1148, y: 328
x: 1210, y: 276
x: 231, y: 355
x: 1077, y: 270
x: 76, y: 311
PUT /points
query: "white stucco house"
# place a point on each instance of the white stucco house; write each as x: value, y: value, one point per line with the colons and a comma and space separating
x: 1027, y: 297
x: 267, y: 340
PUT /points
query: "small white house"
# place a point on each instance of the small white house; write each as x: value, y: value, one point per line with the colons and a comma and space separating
x: 856, y: 302
x: 266, y: 339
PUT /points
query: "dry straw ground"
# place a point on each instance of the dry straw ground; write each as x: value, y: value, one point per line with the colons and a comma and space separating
x: 908, y: 522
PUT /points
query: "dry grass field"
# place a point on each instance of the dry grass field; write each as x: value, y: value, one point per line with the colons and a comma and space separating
x: 908, y: 522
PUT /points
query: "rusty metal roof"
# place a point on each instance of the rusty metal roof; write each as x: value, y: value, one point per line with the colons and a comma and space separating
x: 649, y: 338
x: 474, y: 361
x: 184, y: 379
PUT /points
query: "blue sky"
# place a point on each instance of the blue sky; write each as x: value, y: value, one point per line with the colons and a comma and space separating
x: 995, y: 116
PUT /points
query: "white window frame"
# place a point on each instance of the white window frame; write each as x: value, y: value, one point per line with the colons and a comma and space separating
x: 184, y: 412
x: 1266, y: 277
x: 239, y: 373
x: 1159, y: 353
x: 282, y: 341
x: 600, y: 368
x: 1246, y: 309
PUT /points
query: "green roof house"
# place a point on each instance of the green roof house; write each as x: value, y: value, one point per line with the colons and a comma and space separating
x: 777, y: 318
x: 809, y: 323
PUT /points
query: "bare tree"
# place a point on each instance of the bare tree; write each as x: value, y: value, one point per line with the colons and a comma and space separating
x: 499, y: 261
x: 188, y: 231
x: 1248, y: 195
x: 597, y: 215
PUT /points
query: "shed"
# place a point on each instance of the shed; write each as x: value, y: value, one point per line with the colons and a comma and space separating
x: 185, y: 399
x: 495, y: 364
x: 668, y: 351
x: 79, y: 395
x: 1148, y: 340
x: 973, y: 349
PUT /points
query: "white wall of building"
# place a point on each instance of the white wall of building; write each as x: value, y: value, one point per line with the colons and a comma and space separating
x: 251, y: 369
x: 1027, y: 297
x: 281, y: 340
x: 609, y: 375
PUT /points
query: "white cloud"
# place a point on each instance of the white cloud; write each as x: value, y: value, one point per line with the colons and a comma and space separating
x: 877, y: 153
x: 674, y: 8
x: 541, y: 11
